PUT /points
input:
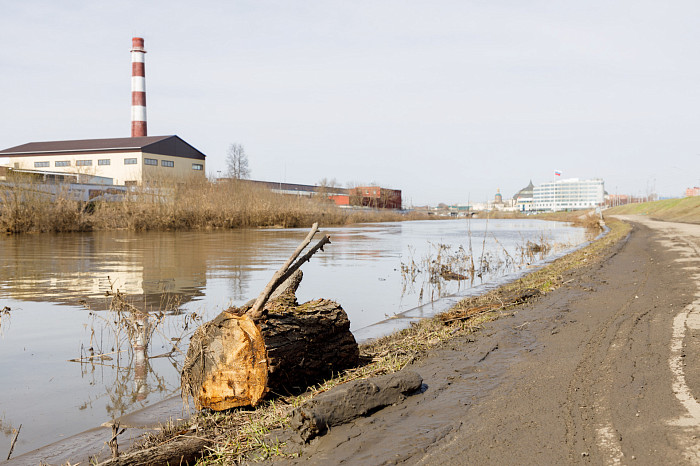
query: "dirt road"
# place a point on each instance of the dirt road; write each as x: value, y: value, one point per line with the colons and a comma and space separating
x: 605, y: 370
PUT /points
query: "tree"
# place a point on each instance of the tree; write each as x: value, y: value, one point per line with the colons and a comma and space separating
x: 237, y: 162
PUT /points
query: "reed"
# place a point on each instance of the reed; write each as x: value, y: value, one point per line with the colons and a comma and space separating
x: 26, y: 206
x: 171, y: 204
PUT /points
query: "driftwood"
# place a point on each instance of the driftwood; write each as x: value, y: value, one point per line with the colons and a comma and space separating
x: 500, y: 302
x: 180, y: 451
x: 352, y: 400
x: 270, y: 344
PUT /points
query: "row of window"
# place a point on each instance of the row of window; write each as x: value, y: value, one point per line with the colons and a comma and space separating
x: 128, y: 161
x: 78, y: 163
x: 154, y: 162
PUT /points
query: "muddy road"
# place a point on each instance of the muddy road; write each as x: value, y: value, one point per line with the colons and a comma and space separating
x: 605, y: 370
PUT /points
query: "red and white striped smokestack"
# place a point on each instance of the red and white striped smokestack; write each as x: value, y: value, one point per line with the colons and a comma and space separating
x: 138, y: 88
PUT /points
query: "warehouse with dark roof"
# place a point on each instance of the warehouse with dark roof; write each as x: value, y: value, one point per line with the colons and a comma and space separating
x: 127, y: 161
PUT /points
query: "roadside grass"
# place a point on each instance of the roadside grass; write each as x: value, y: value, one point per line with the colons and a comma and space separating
x: 242, y: 434
x: 686, y: 209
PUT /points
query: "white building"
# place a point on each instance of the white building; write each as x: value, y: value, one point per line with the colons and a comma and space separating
x: 570, y: 194
x: 523, y: 199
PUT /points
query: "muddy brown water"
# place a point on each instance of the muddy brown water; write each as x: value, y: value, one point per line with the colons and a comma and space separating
x: 52, y: 290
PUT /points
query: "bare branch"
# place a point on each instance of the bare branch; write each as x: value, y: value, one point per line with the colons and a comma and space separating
x: 256, y: 311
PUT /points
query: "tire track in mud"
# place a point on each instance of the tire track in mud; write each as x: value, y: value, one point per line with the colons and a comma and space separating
x: 685, y: 324
x: 589, y: 425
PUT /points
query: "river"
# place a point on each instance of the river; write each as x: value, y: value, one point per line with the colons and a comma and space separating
x: 68, y: 363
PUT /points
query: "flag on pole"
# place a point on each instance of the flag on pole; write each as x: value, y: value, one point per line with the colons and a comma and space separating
x: 557, y: 173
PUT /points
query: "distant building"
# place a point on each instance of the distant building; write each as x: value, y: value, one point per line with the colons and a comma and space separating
x: 695, y: 191
x: 524, y: 199
x: 127, y: 161
x: 614, y: 200
x: 340, y: 196
x: 376, y: 196
x: 363, y: 196
x: 569, y: 194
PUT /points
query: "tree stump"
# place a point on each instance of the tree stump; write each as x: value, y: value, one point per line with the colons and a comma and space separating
x: 233, y: 362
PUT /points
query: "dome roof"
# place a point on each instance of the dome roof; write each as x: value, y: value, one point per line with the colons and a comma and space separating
x: 526, y: 192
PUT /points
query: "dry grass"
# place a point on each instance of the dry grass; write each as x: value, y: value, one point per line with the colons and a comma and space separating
x: 240, y: 435
x: 685, y: 209
x: 170, y: 205
x: 24, y: 207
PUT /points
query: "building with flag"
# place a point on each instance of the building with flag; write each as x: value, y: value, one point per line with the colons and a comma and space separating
x: 568, y: 194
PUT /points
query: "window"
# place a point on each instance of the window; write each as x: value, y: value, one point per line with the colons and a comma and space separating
x: 83, y: 163
x: 41, y: 164
x: 167, y: 163
x: 62, y: 163
x: 130, y: 161
x: 104, y: 162
x: 197, y: 166
x: 150, y: 162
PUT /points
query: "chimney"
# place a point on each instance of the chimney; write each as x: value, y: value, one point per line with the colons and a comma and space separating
x: 138, y: 88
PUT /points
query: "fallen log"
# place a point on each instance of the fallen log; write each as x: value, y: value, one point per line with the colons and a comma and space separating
x: 272, y: 344
x: 352, y: 400
x: 180, y: 450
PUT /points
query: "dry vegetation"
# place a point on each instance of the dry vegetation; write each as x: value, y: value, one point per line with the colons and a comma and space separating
x: 685, y: 209
x: 239, y: 435
x: 173, y: 206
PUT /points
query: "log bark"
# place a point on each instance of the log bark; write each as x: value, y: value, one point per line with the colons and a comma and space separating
x: 306, y: 344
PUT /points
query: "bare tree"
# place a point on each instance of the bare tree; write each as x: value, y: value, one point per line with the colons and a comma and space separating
x: 237, y: 162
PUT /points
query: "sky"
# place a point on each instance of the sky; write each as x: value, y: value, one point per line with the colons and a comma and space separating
x: 448, y: 101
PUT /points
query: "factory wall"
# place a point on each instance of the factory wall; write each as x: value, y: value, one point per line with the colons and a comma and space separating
x: 123, y: 167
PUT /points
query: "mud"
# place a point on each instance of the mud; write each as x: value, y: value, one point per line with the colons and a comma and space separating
x: 593, y: 373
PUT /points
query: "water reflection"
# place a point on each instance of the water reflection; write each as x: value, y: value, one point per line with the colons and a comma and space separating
x: 117, y: 353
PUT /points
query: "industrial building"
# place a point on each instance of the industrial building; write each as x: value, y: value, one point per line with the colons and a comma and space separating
x: 568, y: 194
x: 136, y: 160
x: 127, y: 161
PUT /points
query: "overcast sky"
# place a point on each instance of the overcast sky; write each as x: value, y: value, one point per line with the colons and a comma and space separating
x: 446, y: 100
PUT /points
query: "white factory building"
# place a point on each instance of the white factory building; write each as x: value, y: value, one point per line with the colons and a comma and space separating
x: 124, y: 161
x: 568, y: 194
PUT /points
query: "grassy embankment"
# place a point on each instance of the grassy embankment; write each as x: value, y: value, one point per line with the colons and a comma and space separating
x: 239, y: 434
x: 172, y: 206
x: 686, y: 209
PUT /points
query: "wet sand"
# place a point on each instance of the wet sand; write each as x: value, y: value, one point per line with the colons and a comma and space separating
x: 587, y: 374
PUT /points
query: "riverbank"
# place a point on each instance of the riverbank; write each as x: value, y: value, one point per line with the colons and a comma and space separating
x: 601, y: 371
x: 242, y: 434
x: 686, y: 210
x: 196, y: 205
